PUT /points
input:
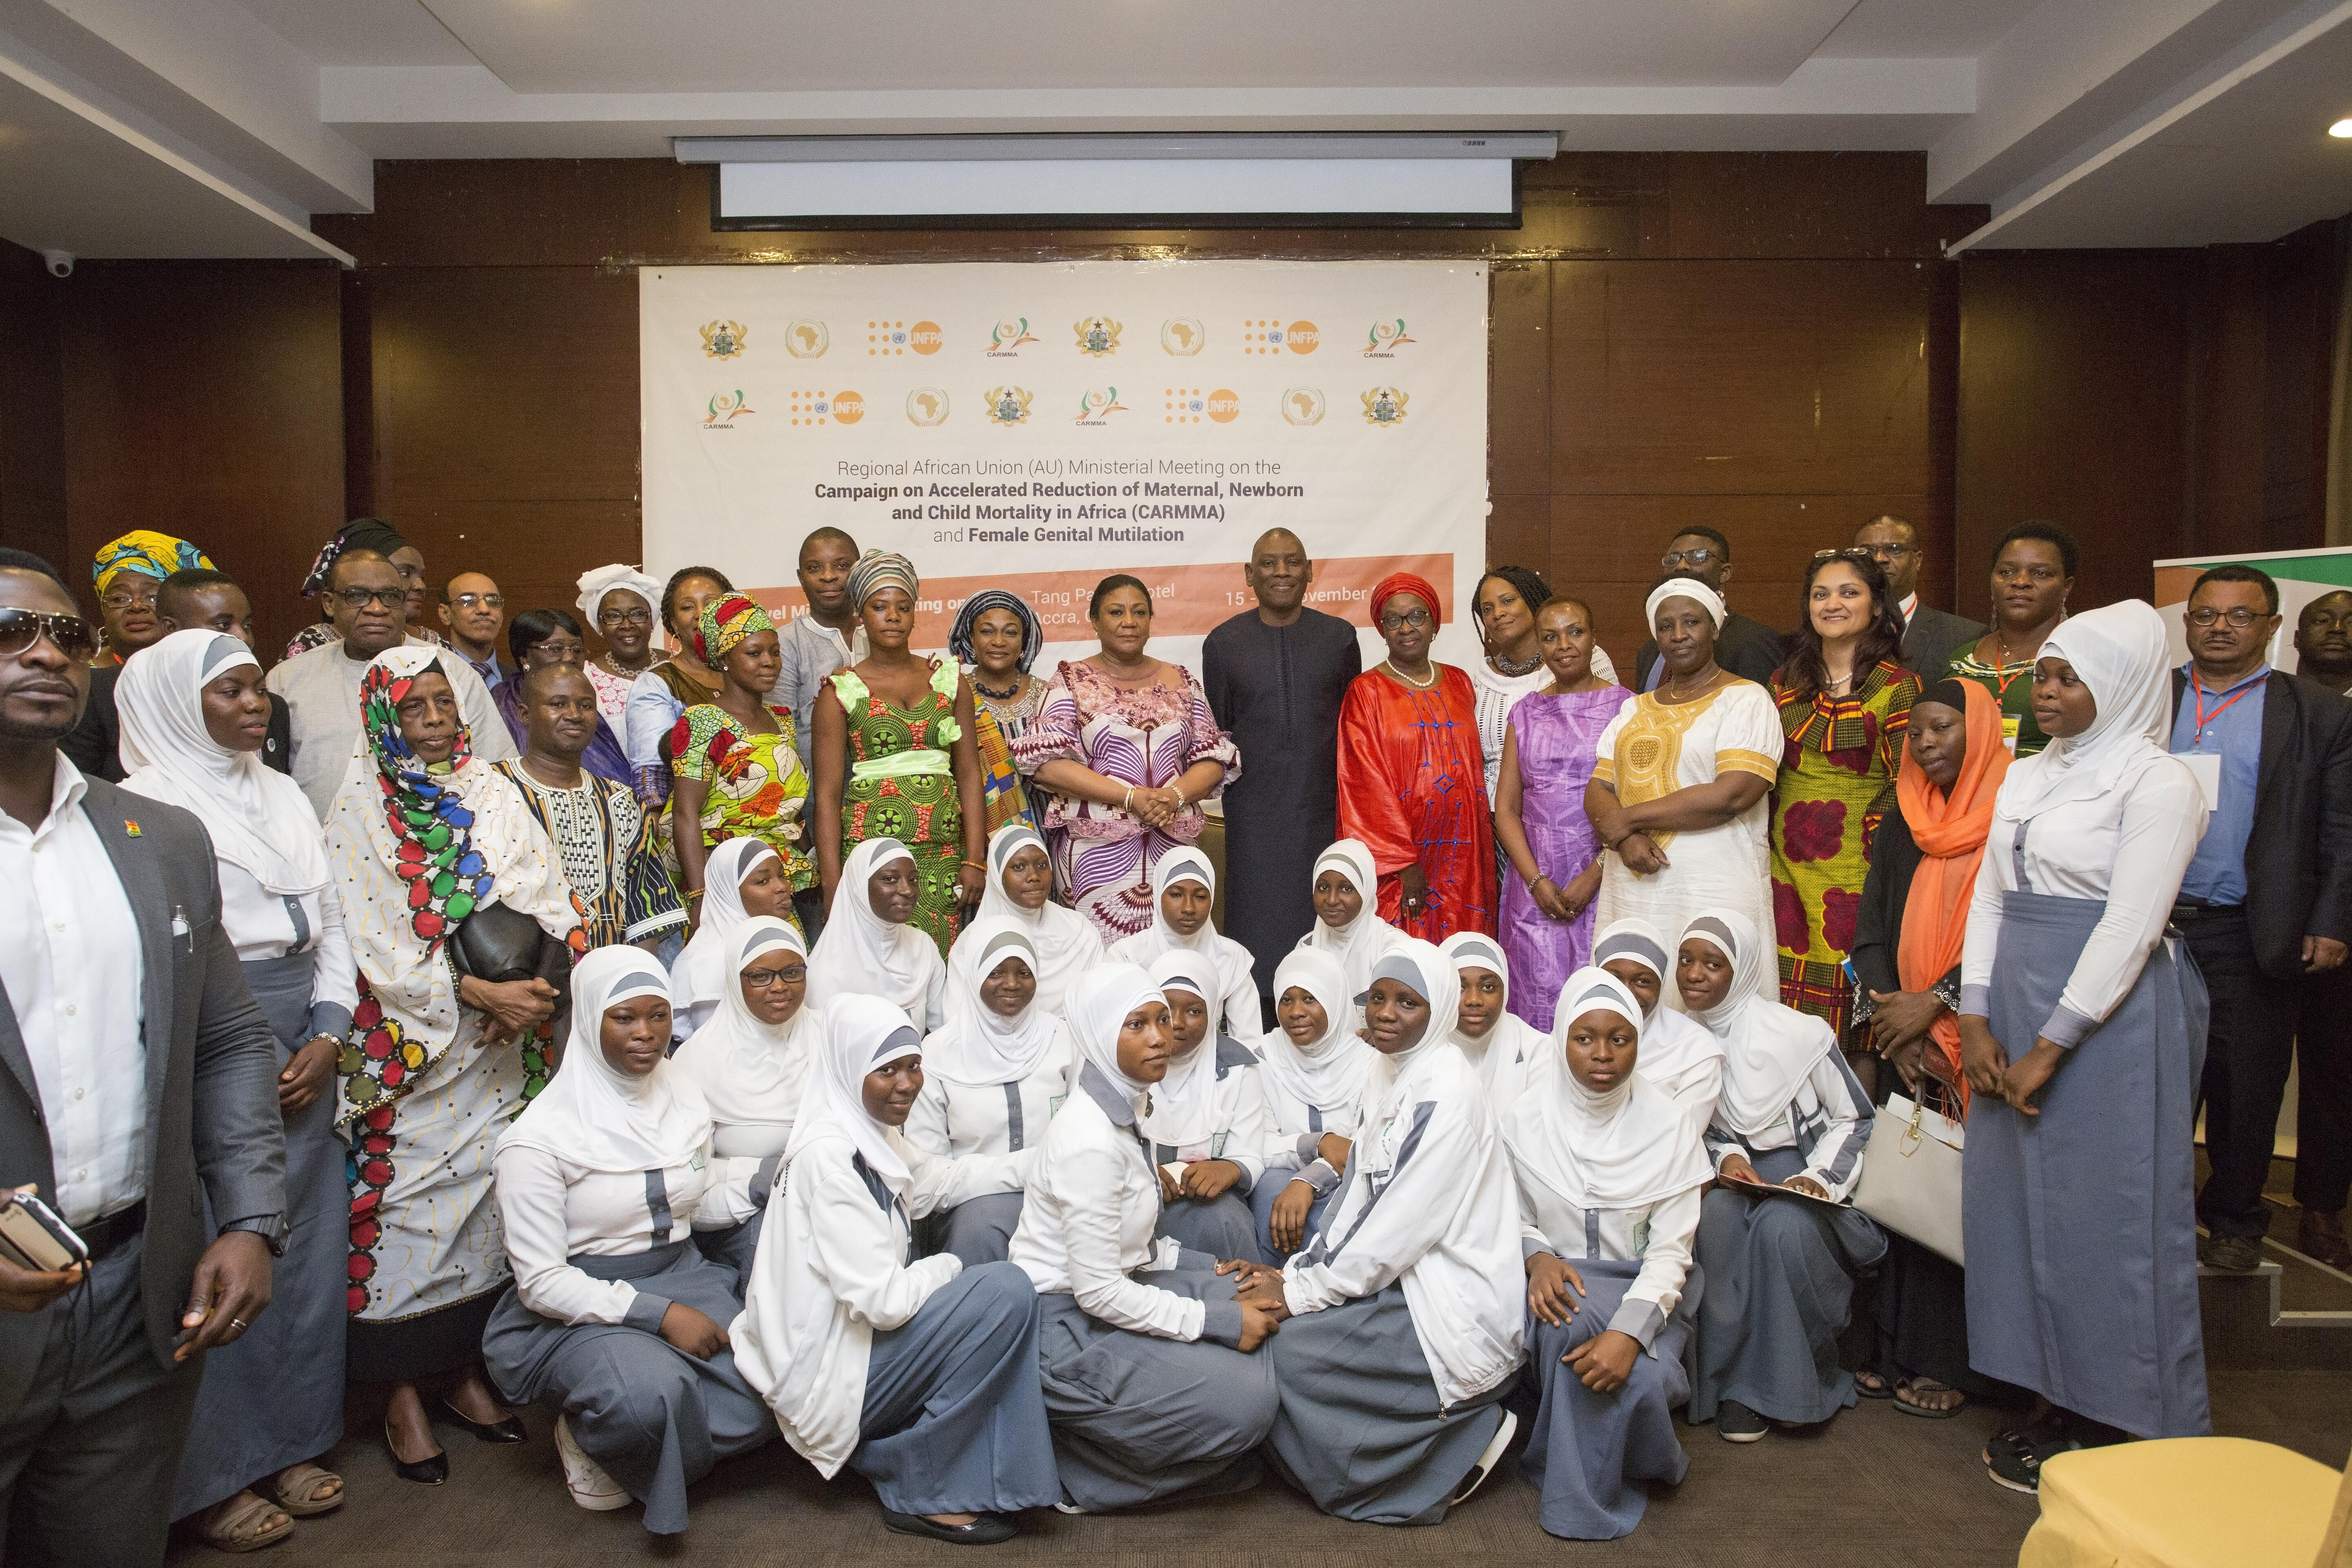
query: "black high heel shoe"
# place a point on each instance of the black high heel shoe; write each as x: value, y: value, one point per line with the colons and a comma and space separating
x: 429, y: 1472
x: 509, y: 1430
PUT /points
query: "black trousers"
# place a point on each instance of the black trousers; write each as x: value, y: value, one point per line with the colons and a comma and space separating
x: 2322, y: 1111
x: 2249, y: 1046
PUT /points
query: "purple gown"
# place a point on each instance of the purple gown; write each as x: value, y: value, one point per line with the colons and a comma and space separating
x: 1556, y: 740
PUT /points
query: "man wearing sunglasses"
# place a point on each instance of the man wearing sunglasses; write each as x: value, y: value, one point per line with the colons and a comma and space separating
x: 134, y: 1066
x: 1744, y: 646
x: 1930, y: 635
x: 367, y: 602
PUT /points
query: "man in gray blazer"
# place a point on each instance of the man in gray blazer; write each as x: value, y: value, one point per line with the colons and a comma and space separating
x: 1930, y: 637
x: 138, y: 1096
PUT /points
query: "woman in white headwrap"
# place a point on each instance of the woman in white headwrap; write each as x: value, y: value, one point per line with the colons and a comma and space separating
x: 1147, y: 1371
x: 1021, y: 888
x: 1403, y: 1315
x: 1183, y: 892
x: 1679, y: 792
x: 1680, y: 1055
x: 921, y: 1374
x: 1206, y: 1120
x: 869, y: 946
x: 743, y: 877
x: 1347, y: 923
x: 1609, y: 1177
x: 993, y: 1075
x: 621, y: 603
x: 1314, y: 1066
x: 195, y: 715
x: 614, y: 1315
x: 752, y: 1063
x: 2080, y: 1029
x: 1780, y: 1270
x: 1497, y: 1041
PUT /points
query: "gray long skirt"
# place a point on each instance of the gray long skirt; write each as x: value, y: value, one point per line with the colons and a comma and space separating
x: 275, y: 1397
x: 2081, y: 1223
x: 1137, y: 1418
x: 655, y: 1417
x: 734, y: 1248
x: 1223, y: 1227
x: 955, y: 1420
x: 980, y: 1231
x: 1360, y: 1431
x: 1779, y: 1293
x: 1262, y: 1199
x: 1587, y: 1450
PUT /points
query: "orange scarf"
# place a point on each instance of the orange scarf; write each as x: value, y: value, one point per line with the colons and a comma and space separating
x: 1951, y: 832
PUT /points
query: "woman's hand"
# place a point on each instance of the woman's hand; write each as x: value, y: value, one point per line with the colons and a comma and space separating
x: 2021, y: 1080
x: 1206, y: 1180
x: 692, y: 1333
x: 1807, y: 1185
x: 1604, y: 1362
x: 1902, y: 1017
x: 1554, y: 1288
x: 1641, y: 857
x: 1982, y: 1060
x: 1551, y: 900
x: 1171, y: 1188
x: 1263, y: 1291
x: 514, y: 1006
x: 1583, y: 888
x: 1154, y: 807
x: 307, y: 1073
x: 1908, y: 1060
x: 1334, y: 1150
x: 1413, y: 884
x: 1289, y: 1220
x: 1257, y: 1323
x: 1736, y: 1169
x: 971, y: 885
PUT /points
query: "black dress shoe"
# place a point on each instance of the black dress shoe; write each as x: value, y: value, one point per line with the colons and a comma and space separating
x: 988, y: 1530
x: 509, y: 1430
x: 429, y: 1472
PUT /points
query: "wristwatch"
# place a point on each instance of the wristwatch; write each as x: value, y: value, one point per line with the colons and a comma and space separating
x: 273, y: 1229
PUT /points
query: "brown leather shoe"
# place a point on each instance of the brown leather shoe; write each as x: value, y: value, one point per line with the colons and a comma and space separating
x: 2321, y: 1235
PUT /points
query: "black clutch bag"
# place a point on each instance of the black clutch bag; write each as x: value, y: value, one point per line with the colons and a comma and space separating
x: 497, y: 944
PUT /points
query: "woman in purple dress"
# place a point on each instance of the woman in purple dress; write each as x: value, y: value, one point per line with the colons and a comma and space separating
x: 1548, y: 754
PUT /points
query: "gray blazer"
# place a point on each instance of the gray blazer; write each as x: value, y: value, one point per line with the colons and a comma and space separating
x: 1932, y: 638
x: 212, y: 1075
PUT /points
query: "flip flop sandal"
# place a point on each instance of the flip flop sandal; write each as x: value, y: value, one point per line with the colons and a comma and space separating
x: 1927, y: 1412
x: 301, y: 1491
x: 1884, y: 1390
x: 245, y: 1527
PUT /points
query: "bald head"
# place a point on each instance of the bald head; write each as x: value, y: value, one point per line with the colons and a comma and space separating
x: 2323, y: 640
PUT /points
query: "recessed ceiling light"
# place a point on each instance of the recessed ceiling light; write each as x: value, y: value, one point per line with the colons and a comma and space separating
x: 2342, y: 129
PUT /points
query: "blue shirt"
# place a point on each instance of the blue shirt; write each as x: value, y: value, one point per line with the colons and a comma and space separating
x: 2217, y: 874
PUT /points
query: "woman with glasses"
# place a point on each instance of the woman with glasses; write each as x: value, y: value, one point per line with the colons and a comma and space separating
x: 2034, y: 569
x: 127, y: 572
x: 1412, y: 783
x: 618, y: 601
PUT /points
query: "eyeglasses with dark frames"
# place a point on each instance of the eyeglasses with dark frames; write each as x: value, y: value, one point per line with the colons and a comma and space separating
x: 360, y: 598
x: 2238, y: 615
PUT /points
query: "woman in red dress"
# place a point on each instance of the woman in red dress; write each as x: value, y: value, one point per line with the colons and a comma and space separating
x: 1413, y: 782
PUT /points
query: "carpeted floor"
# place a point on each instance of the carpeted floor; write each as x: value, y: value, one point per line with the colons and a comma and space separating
x: 1874, y: 1487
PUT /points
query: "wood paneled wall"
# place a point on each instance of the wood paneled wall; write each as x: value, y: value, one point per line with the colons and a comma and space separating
x: 32, y: 408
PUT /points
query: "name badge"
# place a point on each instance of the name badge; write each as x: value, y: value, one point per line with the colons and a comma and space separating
x: 2009, y: 723
x: 2207, y: 766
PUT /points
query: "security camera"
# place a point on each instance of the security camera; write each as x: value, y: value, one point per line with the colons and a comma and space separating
x: 60, y: 262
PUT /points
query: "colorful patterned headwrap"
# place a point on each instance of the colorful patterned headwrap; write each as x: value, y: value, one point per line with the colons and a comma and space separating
x: 156, y: 555
x: 1032, y: 634
x: 446, y: 875
x: 360, y: 533
x: 881, y: 569
x: 1397, y: 583
x: 724, y: 623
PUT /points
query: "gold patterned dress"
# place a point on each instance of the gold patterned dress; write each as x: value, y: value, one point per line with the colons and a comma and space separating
x: 902, y: 786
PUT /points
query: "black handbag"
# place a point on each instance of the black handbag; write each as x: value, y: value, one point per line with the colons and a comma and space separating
x: 497, y: 944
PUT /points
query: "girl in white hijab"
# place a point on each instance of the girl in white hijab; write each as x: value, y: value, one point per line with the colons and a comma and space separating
x: 1066, y: 942
x: 1206, y: 1120
x: 1314, y: 1066
x: 993, y: 1075
x: 922, y: 1373
x: 614, y: 1315
x: 737, y: 882
x: 862, y: 951
x: 1779, y: 1268
x: 1609, y: 1172
x: 1497, y: 1041
x: 1346, y: 880
x: 1236, y: 1007
x: 1680, y: 1055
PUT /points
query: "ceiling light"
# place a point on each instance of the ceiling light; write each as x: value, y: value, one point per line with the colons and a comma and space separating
x: 2341, y: 129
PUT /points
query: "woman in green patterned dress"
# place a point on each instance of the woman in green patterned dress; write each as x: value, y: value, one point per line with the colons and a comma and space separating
x: 735, y: 760
x: 894, y: 758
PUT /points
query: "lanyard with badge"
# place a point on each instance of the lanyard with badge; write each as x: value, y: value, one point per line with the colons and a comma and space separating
x: 2207, y: 765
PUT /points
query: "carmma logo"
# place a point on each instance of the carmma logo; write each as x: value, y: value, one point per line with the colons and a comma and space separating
x: 723, y: 409
x: 1385, y: 339
x: 1005, y: 338
x: 1098, y: 404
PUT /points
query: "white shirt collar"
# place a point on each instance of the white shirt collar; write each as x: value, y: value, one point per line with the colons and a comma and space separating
x: 67, y: 789
x: 1910, y: 607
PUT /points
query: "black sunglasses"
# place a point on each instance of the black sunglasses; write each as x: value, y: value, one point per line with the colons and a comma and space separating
x: 19, y: 629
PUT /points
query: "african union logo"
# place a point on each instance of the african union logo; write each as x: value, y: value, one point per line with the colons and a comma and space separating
x: 723, y: 409
x: 926, y: 405
x: 1384, y: 339
x: 1098, y: 404
x: 1303, y: 405
x: 1224, y: 406
x: 1384, y: 406
x: 1097, y: 336
x: 723, y: 340
x: 1266, y: 335
x: 1183, y: 336
x: 806, y: 340
x: 1008, y: 405
x: 1007, y: 336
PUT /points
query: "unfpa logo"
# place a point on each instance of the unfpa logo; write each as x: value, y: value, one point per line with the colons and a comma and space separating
x: 1271, y: 337
x: 1097, y: 404
x: 818, y: 408
x: 1385, y: 339
x: 807, y: 339
x: 723, y: 409
x: 886, y: 338
x: 1303, y: 405
x: 1183, y: 336
x: 926, y: 406
x: 1005, y: 338
x: 1189, y: 406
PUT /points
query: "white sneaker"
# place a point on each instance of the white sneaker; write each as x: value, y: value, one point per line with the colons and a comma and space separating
x: 1487, y: 1460
x: 591, y: 1489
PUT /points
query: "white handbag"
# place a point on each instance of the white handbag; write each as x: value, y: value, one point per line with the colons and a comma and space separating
x: 1911, y: 1176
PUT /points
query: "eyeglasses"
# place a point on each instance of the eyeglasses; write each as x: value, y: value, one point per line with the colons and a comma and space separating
x: 480, y: 600
x: 1409, y: 618
x: 1674, y: 558
x: 128, y: 598
x: 71, y: 636
x: 1886, y: 552
x: 2238, y: 615
x: 767, y: 979
x: 1851, y: 553
x: 360, y: 598
x: 637, y: 618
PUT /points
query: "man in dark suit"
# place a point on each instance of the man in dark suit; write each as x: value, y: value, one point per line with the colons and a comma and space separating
x: 1743, y: 647
x: 2323, y: 1039
x: 2267, y: 900
x: 1930, y: 637
x: 134, y: 1066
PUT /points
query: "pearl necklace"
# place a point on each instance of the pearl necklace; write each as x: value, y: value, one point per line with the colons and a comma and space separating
x: 1409, y: 680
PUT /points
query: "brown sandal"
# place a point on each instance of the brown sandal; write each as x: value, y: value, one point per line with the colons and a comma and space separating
x: 306, y: 1491
x: 242, y: 1523
x: 1908, y: 1389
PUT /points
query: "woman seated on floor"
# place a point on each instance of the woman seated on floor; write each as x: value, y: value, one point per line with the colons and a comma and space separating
x: 1492, y: 1039
x: 1020, y: 890
x: 1206, y: 1120
x: 1148, y: 1377
x: 1313, y: 1067
x: 919, y: 1374
x: 1610, y: 1169
x: 1183, y: 892
x: 870, y: 947
x: 614, y: 1315
x: 1680, y: 1055
x: 742, y: 878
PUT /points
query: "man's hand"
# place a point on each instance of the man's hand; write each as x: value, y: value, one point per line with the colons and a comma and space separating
x: 229, y: 1291
x: 308, y: 1074
x: 1554, y: 1288
x: 30, y: 1290
x: 2321, y: 954
x: 1604, y: 1362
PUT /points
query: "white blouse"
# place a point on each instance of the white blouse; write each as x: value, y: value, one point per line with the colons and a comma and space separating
x: 1294, y: 1132
x: 1238, y: 1105
x: 1828, y: 1120
x: 1659, y: 1235
x: 263, y: 925
x: 998, y: 1125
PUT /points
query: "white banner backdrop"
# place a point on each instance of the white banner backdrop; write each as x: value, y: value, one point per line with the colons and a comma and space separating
x: 1033, y: 427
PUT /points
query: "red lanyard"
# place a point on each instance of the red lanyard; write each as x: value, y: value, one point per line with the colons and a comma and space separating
x: 2204, y: 718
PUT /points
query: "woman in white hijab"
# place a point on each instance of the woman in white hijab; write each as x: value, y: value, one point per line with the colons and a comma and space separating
x: 993, y: 1075
x: 1499, y: 1043
x: 751, y: 1061
x: 743, y: 877
x: 2081, y: 1028
x: 1020, y: 890
x: 1404, y: 1311
x: 1206, y: 1120
x: 195, y: 715
x: 868, y: 948
x: 1609, y: 1172
x: 920, y: 1375
x: 1145, y: 1350
x: 1680, y: 1055
x: 1792, y: 1117
x: 1314, y: 1066
x: 1183, y: 891
x: 614, y: 1315
x: 1347, y: 923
